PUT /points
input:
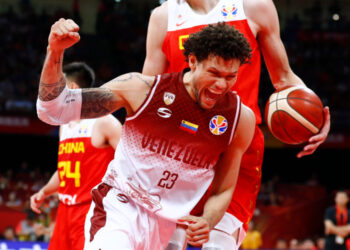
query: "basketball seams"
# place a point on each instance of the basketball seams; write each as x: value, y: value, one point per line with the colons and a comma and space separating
x: 299, y: 107
x: 279, y: 118
x: 297, y: 98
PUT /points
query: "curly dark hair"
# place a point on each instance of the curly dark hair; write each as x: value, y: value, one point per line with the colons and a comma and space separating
x: 219, y: 40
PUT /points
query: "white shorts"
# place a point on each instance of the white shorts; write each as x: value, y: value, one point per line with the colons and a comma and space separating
x: 114, y: 221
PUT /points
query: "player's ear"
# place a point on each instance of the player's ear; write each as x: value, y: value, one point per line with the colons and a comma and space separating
x: 192, y: 61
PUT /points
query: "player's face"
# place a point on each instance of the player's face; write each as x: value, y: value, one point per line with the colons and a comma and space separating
x: 212, y: 78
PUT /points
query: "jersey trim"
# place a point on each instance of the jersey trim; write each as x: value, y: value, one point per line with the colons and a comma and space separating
x: 238, y: 114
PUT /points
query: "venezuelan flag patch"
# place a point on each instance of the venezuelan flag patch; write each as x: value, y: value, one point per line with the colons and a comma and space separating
x: 189, y: 127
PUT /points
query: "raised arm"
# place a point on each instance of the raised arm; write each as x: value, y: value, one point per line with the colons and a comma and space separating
x: 57, y: 104
x: 224, y: 183
x: 156, y: 61
x: 263, y: 20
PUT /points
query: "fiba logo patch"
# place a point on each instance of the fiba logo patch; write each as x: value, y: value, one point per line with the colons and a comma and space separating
x: 218, y: 125
x: 83, y: 129
x: 229, y: 11
x: 168, y: 98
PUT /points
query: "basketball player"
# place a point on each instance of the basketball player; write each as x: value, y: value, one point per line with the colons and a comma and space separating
x: 85, y: 149
x: 183, y: 131
x: 169, y: 26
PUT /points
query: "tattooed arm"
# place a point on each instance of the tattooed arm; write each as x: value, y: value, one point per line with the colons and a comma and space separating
x: 57, y: 104
x: 63, y: 34
x: 128, y: 91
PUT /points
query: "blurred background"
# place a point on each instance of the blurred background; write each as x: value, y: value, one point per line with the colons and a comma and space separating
x: 294, y: 192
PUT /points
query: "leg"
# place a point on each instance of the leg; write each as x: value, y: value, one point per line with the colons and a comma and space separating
x: 178, y: 239
x: 107, y: 224
x: 61, y: 232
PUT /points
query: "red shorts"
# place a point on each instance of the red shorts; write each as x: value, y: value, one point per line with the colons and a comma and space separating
x: 248, y: 184
x: 68, y: 233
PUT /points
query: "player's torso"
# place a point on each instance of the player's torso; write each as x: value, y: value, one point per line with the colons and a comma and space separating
x: 80, y: 166
x: 182, y: 21
x: 169, y: 148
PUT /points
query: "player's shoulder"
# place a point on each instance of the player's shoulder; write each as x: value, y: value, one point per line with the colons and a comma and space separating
x: 107, y: 121
x: 160, y: 13
x: 258, y: 10
x: 257, y: 5
x: 247, y: 115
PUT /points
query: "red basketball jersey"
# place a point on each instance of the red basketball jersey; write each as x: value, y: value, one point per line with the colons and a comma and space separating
x: 183, y: 21
x: 167, y: 154
x: 81, y: 166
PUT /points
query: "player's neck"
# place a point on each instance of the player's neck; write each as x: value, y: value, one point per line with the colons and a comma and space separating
x: 202, y: 6
x: 187, y: 80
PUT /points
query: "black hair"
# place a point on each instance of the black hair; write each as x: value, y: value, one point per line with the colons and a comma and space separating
x: 219, y: 40
x: 81, y: 73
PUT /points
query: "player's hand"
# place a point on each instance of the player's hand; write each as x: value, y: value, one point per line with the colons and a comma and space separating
x: 63, y: 34
x: 197, y: 232
x: 36, y: 200
x: 318, y: 139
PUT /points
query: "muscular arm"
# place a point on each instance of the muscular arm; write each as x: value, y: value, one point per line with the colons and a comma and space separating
x: 57, y: 104
x: 263, y: 19
x: 156, y: 61
x: 51, y: 187
x: 106, y: 132
x: 226, y: 174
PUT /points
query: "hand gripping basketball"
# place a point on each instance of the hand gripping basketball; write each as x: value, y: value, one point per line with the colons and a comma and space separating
x: 294, y: 114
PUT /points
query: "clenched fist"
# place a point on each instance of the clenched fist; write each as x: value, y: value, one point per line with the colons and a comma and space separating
x: 198, y: 229
x: 63, y: 34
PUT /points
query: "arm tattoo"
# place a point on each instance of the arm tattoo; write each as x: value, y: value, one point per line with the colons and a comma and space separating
x: 97, y: 102
x: 48, y: 92
x: 124, y: 78
x: 130, y: 76
x: 143, y: 80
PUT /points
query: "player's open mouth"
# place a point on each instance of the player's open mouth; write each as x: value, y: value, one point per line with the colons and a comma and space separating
x: 211, y: 96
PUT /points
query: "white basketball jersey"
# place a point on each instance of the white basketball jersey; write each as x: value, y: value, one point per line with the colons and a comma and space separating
x: 166, y: 156
x: 182, y: 16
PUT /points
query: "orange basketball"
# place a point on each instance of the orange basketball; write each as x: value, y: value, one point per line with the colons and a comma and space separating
x: 294, y: 114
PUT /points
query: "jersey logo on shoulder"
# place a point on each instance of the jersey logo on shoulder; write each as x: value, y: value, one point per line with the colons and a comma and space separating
x: 164, y: 112
x: 229, y: 11
x: 180, y: 21
x: 218, y: 125
x: 83, y: 129
x: 168, y: 98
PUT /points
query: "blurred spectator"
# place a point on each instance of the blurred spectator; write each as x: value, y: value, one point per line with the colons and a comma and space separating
x: 293, y: 244
x: 9, y: 234
x: 253, y: 239
x: 281, y: 244
x: 307, y: 244
x: 13, y: 200
x: 337, y: 222
x: 320, y: 243
x: 25, y: 228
